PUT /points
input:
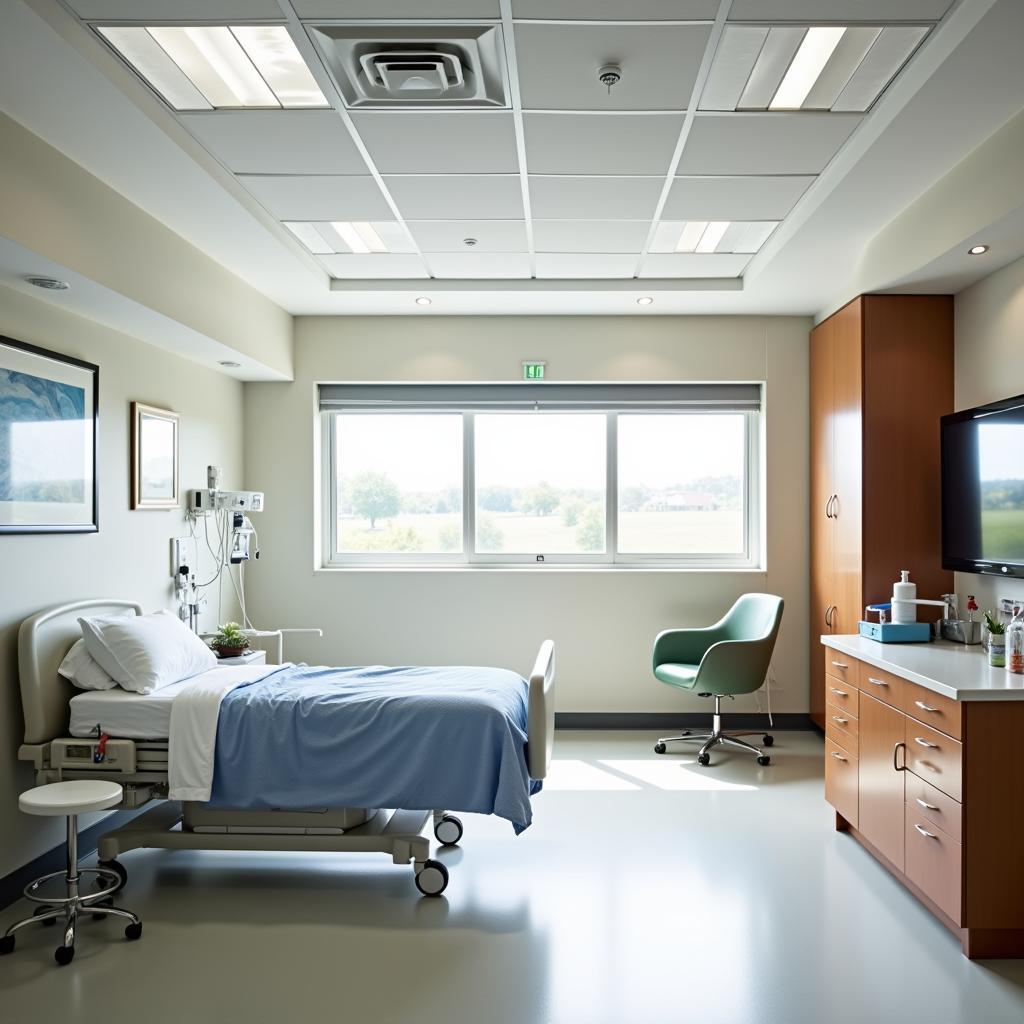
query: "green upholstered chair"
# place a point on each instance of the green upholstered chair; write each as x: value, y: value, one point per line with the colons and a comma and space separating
x: 722, y: 660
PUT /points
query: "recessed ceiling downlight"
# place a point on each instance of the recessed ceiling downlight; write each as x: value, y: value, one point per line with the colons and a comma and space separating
x: 51, y: 284
x: 977, y: 250
x: 644, y: 300
x: 423, y: 301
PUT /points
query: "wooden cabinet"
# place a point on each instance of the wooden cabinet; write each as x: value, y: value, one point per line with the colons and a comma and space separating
x: 881, y: 785
x: 881, y: 377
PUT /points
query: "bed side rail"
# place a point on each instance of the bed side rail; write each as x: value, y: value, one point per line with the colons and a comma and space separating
x: 541, y: 713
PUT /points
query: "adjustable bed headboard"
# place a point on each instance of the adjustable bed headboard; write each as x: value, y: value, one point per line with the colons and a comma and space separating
x: 541, y: 712
x: 43, y: 640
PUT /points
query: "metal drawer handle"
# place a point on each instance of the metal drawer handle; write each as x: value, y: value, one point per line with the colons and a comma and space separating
x: 925, y: 707
x: 838, y: 693
x: 839, y: 664
x: 924, y: 743
x: 841, y: 721
x: 877, y: 682
x: 838, y: 757
x: 926, y: 834
x: 926, y: 806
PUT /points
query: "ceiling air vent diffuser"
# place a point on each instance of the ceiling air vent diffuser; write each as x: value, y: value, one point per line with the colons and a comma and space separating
x: 415, y: 66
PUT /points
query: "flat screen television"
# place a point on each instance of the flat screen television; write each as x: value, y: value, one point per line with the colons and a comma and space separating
x: 983, y: 489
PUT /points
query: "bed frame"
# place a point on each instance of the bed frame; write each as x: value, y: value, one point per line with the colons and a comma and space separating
x: 140, y: 766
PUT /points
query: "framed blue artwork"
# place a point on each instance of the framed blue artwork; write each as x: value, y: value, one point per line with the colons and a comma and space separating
x: 49, y: 415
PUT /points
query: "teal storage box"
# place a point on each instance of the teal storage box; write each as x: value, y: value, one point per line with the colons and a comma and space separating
x: 896, y: 632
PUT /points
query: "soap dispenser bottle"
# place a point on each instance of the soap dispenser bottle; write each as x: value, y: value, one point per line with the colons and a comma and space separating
x: 903, y: 593
x: 1015, y: 642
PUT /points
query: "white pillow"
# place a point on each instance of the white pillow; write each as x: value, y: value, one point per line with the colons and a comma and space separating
x: 81, y: 668
x: 146, y: 652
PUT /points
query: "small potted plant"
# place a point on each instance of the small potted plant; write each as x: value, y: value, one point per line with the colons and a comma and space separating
x: 996, y: 640
x: 229, y: 641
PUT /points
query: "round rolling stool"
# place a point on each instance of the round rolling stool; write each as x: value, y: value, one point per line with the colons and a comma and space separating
x: 69, y: 799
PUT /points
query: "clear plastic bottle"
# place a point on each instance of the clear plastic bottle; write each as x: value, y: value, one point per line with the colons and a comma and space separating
x: 1015, y: 642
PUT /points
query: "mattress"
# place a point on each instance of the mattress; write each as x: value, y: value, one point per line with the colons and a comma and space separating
x: 130, y: 716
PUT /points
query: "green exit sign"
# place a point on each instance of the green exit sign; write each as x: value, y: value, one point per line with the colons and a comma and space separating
x: 533, y: 371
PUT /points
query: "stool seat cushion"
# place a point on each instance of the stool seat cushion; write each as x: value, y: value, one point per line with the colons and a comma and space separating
x: 76, y: 797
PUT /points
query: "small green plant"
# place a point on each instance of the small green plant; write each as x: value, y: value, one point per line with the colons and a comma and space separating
x: 229, y: 637
x: 995, y: 626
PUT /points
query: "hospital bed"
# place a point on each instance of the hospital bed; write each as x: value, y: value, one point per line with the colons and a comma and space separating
x: 61, y: 743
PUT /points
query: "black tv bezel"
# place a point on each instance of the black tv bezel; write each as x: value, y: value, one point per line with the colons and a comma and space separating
x: 1006, y: 570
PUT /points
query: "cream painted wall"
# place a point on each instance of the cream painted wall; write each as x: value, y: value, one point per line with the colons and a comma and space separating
x: 603, y: 621
x: 989, y: 366
x: 130, y: 555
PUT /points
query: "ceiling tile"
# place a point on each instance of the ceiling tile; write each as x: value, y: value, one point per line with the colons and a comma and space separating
x: 383, y: 10
x: 490, y: 235
x: 614, y: 236
x: 616, y: 10
x: 735, y: 198
x: 816, y: 12
x: 178, y: 10
x: 472, y: 266
x: 377, y: 265
x: 559, y: 63
x: 582, y: 265
x: 277, y: 141
x: 594, y: 198
x: 458, y: 197
x: 439, y: 142
x: 800, y: 143
x: 621, y: 144
x: 323, y: 198
x: 694, y: 264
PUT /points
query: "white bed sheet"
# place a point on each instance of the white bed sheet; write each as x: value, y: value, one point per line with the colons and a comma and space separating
x: 130, y: 716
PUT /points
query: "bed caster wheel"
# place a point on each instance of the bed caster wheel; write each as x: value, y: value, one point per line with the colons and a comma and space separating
x: 48, y: 923
x: 768, y: 740
x: 133, y: 931
x: 64, y: 955
x: 763, y: 760
x: 704, y: 759
x: 6, y: 945
x: 659, y: 748
x: 432, y: 878
x: 448, y: 831
x: 118, y: 868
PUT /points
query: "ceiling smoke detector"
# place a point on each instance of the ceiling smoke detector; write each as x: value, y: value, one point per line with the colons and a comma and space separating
x: 51, y: 284
x: 609, y: 75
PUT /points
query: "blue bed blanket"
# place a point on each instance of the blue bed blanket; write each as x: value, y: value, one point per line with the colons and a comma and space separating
x: 409, y: 738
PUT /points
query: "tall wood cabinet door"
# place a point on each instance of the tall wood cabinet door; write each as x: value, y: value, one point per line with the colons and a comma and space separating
x: 881, y: 785
x: 822, y: 363
x: 847, y: 448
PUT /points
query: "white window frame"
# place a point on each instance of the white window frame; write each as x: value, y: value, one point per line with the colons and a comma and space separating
x: 748, y: 559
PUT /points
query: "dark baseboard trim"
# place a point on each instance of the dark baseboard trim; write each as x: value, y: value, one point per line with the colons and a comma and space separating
x: 12, y: 885
x: 666, y: 721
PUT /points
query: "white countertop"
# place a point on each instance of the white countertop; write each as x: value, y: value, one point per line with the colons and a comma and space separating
x: 954, y: 670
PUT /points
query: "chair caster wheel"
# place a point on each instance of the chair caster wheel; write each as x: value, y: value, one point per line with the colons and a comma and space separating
x: 448, y: 831
x: 763, y: 760
x: 768, y: 740
x: 659, y: 748
x: 432, y: 878
x: 133, y: 931
x: 64, y: 954
x: 6, y: 945
x: 704, y: 759
x: 118, y: 868
x: 49, y: 922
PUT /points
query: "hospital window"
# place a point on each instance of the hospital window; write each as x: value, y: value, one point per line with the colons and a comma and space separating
x: 641, y: 475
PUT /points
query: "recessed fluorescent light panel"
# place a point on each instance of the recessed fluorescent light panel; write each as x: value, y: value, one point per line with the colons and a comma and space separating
x: 341, y: 236
x: 207, y: 67
x: 703, y: 236
x: 820, y: 67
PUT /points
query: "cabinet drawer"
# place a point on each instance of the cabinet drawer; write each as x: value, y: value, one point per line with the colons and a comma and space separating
x: 841, y: 780
x: 881, y: 685
x: 942, y: 713
x: 932, y: 862
x: 841, y: 728
x: 842, y: 695
x: 841, y: 716
x: 934, y: 757
x: 841, y: 666
x: 933, y: 804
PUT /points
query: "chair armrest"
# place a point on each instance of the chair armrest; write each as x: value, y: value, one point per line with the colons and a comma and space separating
x: 684, y: 646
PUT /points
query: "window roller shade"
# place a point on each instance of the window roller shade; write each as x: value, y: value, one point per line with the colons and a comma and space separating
x: 743, y: 397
